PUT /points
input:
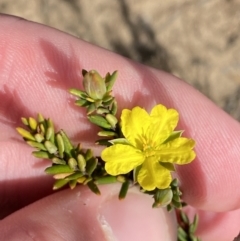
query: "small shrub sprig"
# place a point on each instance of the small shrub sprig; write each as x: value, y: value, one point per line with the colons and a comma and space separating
x: 187, y: 229
x: 140, y: 148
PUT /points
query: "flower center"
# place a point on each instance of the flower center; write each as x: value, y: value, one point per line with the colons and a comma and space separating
x: 148, y: 147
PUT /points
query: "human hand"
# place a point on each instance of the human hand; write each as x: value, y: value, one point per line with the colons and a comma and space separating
x: 37, y: 67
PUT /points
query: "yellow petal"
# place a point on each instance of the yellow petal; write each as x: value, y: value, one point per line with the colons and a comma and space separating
x: 134, y: 124
x: 178, y: 151
x: 152, y: 175
x: 163, y: 122
x: 121, y: 159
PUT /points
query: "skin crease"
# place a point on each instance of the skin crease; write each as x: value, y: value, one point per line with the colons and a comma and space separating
x: 37, y: 66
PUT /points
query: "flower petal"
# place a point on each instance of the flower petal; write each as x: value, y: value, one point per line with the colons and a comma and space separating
x: 163, y: 122
x: 121, y: 159
x: 153, y: 175
x: 134, y: 124
x: 178, y: 151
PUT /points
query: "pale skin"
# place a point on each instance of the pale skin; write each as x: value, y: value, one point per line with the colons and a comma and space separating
x: 37, y: 67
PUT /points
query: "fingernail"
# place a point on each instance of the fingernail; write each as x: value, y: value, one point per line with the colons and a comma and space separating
x: 134, y: 219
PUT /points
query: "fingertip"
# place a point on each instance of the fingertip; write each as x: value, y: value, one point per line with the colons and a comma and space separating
x: 135, y: 219
x: 81, y: 215
x: 219, y: 226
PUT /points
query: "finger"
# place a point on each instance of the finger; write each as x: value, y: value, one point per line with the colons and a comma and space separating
x: 80, y: 215
x: 216, y: 226
x: 16, y: 188
x: 39, y: 64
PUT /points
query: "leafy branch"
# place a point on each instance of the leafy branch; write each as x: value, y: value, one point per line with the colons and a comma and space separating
x: 72, y: 165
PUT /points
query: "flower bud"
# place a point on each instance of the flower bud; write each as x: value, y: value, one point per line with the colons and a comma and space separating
x: 163, y: 197
x: 94, y: 85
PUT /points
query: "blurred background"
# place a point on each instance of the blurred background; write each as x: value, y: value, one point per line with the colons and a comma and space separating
x: 196, y: 40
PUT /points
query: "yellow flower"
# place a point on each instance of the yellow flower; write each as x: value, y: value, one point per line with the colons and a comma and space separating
x: 151, y: 147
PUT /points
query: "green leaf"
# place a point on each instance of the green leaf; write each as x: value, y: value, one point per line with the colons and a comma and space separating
x: 50, y: 125
x: 42, y: 154
x: 114, y: 107
x: 56, y: 169
x: 103, y: 142
x: 174, y: 183
x: 186, y: 229
x: 176, y: 204
x: 78, y: 149
x: 59, y: 183
x: 40, y: 118
x: 106, y: 133
x: 101, y: 111
x: 122, y: 141
x: 50, y: 147
x: 78, y: 93
x: 25, y: 134
x: 88, y: 155
x: 184, y: 217
x: 49, y: 133
x: 81, y: 163
x: 182, y: 235
x: 72, y: 184
x: 176, y: 197
x: 109, y: 101
x: 56, y: 160
x: 135, y: 173
x: 174, y: 135
x: 38, y: 145
x: 60, y: 145
x: 91, y: 108
x: 110, y: 80
x: 81, y: 180
x: 124, y: 190
x: 74, y: 176
x: 68, y: 147
x: 43, y: 128
x: 24, y: 121
x: 169, y: 207
x: 32, y: 123
x: 38, y: 137
x: 106, y: 180
x: 194, y: 225
x: 100, y: 121
x: 90, y: 100
x: 81, y: 102
x: 93, y: 187
x: 91, y: 165
x: 87, y: 180
x: 108, y: 98
x: 112, y: 120
x: 72, y: 163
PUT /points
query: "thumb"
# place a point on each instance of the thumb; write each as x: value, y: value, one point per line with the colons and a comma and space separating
x: 81, y: 215
x: 135, y: 219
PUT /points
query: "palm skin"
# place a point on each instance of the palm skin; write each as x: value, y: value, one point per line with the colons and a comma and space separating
x: 37, y: 67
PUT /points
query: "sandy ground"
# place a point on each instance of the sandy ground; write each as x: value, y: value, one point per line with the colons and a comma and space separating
x: 196, y: 40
